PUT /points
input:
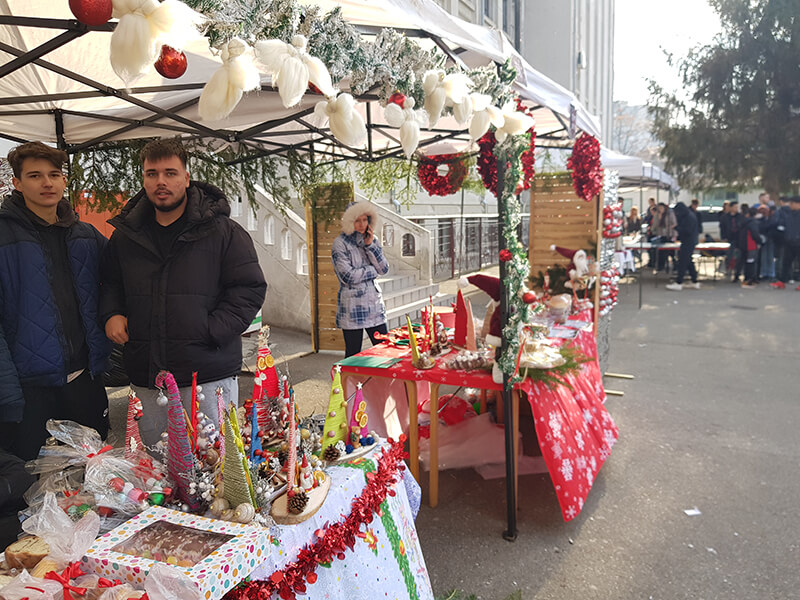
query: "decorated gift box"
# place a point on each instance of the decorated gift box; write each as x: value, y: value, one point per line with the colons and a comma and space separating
x: 214, y: 555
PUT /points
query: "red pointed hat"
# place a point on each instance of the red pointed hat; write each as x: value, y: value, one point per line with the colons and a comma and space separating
x: 565, y: 252
x: 487, y: 283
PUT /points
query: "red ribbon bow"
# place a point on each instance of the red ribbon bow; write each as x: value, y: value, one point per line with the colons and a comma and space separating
x: 108, y: 583
x: 65, y: 579
x: 103, y: 449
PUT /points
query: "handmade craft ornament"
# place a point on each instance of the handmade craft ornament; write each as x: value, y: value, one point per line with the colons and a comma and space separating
x: 171, y: 63
x: 359, y: 418
x: 515, y: 122
x: 236, y: 76
x: 335, y: 428
x: 180, y: 461
x: 291, y: 438
x: 408, y: 121
x: 484, y: 114
x: 133, y: 439
x: 91, y: 12
x: 441, y: 88
x: 346, y: 123
x: 143, y: 27
x: 460, y: 332
x: 293, y: 68
x: 412, y: 341
x: 237, y: 488
x: 256, y: 453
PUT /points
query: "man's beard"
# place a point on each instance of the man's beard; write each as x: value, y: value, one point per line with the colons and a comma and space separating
x: 167, y: 208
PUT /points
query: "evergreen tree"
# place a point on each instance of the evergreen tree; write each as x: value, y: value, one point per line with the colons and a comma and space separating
x: 742, y: 117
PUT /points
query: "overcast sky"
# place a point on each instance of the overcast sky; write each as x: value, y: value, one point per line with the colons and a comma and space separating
x: 643, y: 30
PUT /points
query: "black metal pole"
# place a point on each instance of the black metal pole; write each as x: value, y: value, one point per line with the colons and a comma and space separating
x: 510, y: 533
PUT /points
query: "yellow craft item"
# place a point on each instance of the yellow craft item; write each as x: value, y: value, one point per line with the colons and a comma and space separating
x: 412, y: 340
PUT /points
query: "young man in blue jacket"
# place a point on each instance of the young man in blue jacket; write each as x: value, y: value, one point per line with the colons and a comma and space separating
x: 53, y: 350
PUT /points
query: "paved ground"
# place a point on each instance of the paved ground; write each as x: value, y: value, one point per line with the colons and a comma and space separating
x: 709, y: 422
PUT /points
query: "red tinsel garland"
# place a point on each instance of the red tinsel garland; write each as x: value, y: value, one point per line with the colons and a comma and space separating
x: 441, y: 185
x: 487, y: 162
x: 335, y: 539
x: 584, y: 165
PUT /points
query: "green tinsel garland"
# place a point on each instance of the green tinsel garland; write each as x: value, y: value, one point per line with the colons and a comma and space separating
x: 555, y: 376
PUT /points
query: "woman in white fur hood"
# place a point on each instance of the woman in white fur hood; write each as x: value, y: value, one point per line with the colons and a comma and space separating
x: 358, y: 261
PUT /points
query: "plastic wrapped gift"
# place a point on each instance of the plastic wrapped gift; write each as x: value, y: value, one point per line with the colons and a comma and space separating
x: 213, y: 555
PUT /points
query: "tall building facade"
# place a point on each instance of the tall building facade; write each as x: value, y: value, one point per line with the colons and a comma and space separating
x: 570, y: 41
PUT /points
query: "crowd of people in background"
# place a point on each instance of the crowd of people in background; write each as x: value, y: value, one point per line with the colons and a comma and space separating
x: 764, y: 239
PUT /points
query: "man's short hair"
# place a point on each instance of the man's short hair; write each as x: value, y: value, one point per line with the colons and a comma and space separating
x: 18, y: 155
x: 733, y: 202
x: 156, y: 150
x: 695, y: 201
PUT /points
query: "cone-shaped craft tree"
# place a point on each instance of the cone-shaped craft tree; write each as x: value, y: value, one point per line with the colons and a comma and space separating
x: 237, y: 487
x: 336, y: 417
x: 180, y: 461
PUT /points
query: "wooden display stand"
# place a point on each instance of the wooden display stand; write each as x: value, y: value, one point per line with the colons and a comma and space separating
x: 323, y: 283
x: 559, y: 217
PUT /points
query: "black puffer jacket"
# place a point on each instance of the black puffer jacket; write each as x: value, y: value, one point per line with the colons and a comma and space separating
x: 185, y: 312
x: 687, y: 224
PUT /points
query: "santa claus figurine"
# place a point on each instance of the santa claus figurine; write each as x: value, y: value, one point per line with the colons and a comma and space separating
x: 492, y: 328
x: 581, y: 272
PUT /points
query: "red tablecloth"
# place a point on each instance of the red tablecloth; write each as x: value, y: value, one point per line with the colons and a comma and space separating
x: 574, y: 429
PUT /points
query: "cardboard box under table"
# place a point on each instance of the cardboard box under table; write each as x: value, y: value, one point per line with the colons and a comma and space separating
x: 214, y: 555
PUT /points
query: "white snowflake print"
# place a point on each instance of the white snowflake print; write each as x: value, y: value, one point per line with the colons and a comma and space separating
x: 610, y: 437
x: 589, y: 477
x: 555, y: 425
x: 587, y: 416
x: 566, y: 469
x: 557, y: 451
x: 598, y: 389
x: 571, y: 512
x: 593, y: 463
x: 580, y: 463
x: 580, y: 503
x: 579, y: 441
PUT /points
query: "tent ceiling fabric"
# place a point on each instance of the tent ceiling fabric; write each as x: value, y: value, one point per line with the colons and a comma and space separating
x: 71, y: 95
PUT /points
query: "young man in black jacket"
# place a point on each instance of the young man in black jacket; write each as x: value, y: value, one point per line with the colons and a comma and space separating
x: 687, y: 235
x: 52, y: 347
x: 181, y: 282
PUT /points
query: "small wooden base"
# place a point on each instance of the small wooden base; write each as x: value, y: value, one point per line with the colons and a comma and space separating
x: 316, y: 498
x: 356, y: 453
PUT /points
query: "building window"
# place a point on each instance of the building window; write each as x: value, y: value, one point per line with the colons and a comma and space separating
x: 302, y: 260
x: 388, y: 236
x: 409, y: 244
x: 286, y: 245
x: 490, y: 9
x: 236, y: 207
x: 269, y: 231
x: 252, y: 220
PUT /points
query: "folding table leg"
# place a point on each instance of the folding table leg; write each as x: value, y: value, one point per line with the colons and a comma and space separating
x: 413, y: 429
x: 434, y: 446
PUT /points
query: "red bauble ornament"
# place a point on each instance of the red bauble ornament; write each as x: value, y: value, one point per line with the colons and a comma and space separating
x: 529, y: 297
x: 397, y: 98
x: 91, y: 12
x: 505, y: 255
x: 171, y: 64
x: 441, y: 185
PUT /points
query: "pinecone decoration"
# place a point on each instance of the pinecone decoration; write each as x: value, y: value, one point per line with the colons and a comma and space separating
x: 297, y: 503
x: 331, y: 454
x: 283, y: 456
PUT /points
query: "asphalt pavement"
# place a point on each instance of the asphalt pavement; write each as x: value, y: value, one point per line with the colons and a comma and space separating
x: 708, y: 424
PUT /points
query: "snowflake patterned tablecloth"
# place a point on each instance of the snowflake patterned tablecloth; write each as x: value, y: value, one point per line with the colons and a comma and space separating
x: 386, y: 562
x: 574, y: 428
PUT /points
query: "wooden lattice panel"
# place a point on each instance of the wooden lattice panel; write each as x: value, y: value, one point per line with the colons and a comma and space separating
x: 558, y: 217
x: 324, y: 283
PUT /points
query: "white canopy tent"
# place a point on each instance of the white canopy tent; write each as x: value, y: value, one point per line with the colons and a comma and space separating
x: 637, y: 173
x: 57, y: 86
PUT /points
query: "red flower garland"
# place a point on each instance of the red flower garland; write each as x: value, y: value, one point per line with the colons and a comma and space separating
x: 335, y: 539
x: 505, y: 255
x: 487, y: 162
x: 584, y: 165
x: 441, y: 185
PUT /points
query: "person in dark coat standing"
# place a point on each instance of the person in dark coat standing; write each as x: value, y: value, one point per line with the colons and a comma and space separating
x: 52, y: 347
x: 749, y: 243
x: 687, y: 236
x: 181, y: 282
x: 788, y: 226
